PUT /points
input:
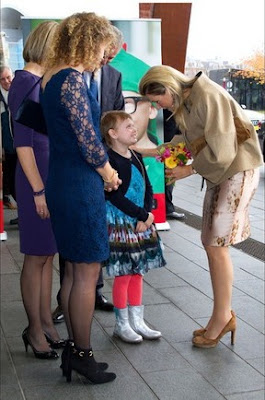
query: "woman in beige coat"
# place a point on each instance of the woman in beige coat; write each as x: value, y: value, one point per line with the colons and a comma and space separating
x: 226, y: 153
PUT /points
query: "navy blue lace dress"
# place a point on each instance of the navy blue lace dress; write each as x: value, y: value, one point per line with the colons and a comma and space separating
x: 74, y: 190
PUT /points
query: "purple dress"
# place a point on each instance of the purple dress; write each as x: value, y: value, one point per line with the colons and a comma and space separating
x: 36, y: 236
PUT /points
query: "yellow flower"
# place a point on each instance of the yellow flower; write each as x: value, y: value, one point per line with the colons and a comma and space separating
x: 170, y: 162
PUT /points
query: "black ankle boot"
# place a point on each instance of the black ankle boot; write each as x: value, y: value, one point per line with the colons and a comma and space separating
x: 83, y: 362
x: 66, y: 358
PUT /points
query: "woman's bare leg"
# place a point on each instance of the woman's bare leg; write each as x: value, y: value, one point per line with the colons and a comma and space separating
x: 221, y: 271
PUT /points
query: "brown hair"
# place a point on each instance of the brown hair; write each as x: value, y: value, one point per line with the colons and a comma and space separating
x: 109, y: 121
x: 162, y: 77
x: 78, y: 39
x: 39, y: 42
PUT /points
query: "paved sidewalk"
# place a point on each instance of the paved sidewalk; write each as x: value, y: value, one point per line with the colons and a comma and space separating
x: 178, y: 299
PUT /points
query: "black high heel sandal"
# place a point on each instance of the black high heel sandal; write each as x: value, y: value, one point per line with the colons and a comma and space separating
x: 55, y: 344
x: 44, y: 355
x: 66, y: 358
x: 83, y: 362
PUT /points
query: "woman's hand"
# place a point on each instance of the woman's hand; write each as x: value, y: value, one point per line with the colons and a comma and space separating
x: 41, y: 206
x: 177, y: 173
x: 113, y: 184
x: 110, y: 177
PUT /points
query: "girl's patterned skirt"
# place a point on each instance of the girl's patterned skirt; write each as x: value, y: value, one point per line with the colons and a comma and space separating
x: 131, y: 252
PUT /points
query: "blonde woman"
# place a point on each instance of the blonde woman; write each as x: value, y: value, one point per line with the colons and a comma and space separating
x: 226, y: 153
x: 36, y: 237
x: 78, y: 168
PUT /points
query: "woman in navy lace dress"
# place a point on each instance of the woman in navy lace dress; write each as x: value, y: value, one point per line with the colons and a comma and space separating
x: 78, y: 167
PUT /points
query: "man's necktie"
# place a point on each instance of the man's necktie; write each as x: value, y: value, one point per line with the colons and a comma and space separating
x: 94, y: 86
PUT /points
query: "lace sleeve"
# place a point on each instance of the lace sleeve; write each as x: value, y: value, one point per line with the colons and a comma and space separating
x: 74, y: 98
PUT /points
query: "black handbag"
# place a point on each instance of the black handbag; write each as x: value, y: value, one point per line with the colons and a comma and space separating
x: 30, y: 114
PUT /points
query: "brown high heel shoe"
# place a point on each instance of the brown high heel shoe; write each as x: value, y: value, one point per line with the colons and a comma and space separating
x: 199, y: 332
x: 203, y: 342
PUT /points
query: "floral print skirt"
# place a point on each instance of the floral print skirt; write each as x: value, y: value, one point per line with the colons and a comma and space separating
x: 226, y: 210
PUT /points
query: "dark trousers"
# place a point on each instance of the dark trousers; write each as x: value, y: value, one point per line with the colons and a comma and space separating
x: 100, y: 282
x: 168, y: 197
x: 9, y: 169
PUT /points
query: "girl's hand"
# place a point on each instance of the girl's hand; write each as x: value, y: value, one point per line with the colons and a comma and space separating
x: 41, y: 206
x: 149, y: 220
x: 141, y: 227
x: 177, y: 173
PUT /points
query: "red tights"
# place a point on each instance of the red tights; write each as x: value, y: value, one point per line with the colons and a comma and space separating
x: 127, y: 289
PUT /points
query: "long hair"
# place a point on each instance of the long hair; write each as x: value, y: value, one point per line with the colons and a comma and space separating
x: 78, y: 39
x: 161, y: 78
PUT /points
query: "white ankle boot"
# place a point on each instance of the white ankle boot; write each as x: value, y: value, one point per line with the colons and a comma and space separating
x: 123, y: 329
x: 136, y: 319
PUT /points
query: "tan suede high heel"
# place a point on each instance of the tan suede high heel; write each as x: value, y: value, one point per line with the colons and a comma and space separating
x: 199, y: 332
x: 203, y: 342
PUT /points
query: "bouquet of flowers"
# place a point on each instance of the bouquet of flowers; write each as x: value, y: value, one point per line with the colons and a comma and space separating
x: 173, y: 155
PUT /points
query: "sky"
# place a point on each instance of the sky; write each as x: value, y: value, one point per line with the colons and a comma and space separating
x: 229, y: 30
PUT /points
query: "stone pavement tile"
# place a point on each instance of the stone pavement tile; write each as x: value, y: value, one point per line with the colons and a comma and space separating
x: 13, y: 248
x: 257, y: 395
x: 189, y: 250
x: 152, y: 355
x: 190, y: 300
x: 8, y: 392
x: 230, y: 378
x: 201, y: 280
x: 178, y: 264
x: 153, y: 296
x: 241, y: 274
x: 174, y: 324
x: 10, y: 287
x: 13, y: 318
x: 8, y: 375
x: 8, y: 265
x: 257, y: 363
x: 256, y: 270
x: 198, y: 357
x: 253, y: 287
x: 128, y: 385
x: 105, y: 318
x: 100, y: 339
x: 57, y: 391
x: 249, y: 342
x: 183, y: 384
x: 163, y: 278
x: 251, y: 311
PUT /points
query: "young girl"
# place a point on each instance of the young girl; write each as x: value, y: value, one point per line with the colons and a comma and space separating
x: 134, y: 243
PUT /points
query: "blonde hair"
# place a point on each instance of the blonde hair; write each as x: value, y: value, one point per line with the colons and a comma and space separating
x: 109, y: 120
x: 39, y: 42
x: 162, y: 77
x: 78, y: 39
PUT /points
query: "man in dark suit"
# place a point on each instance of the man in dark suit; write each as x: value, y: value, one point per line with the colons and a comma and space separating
x: 109, y: 95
